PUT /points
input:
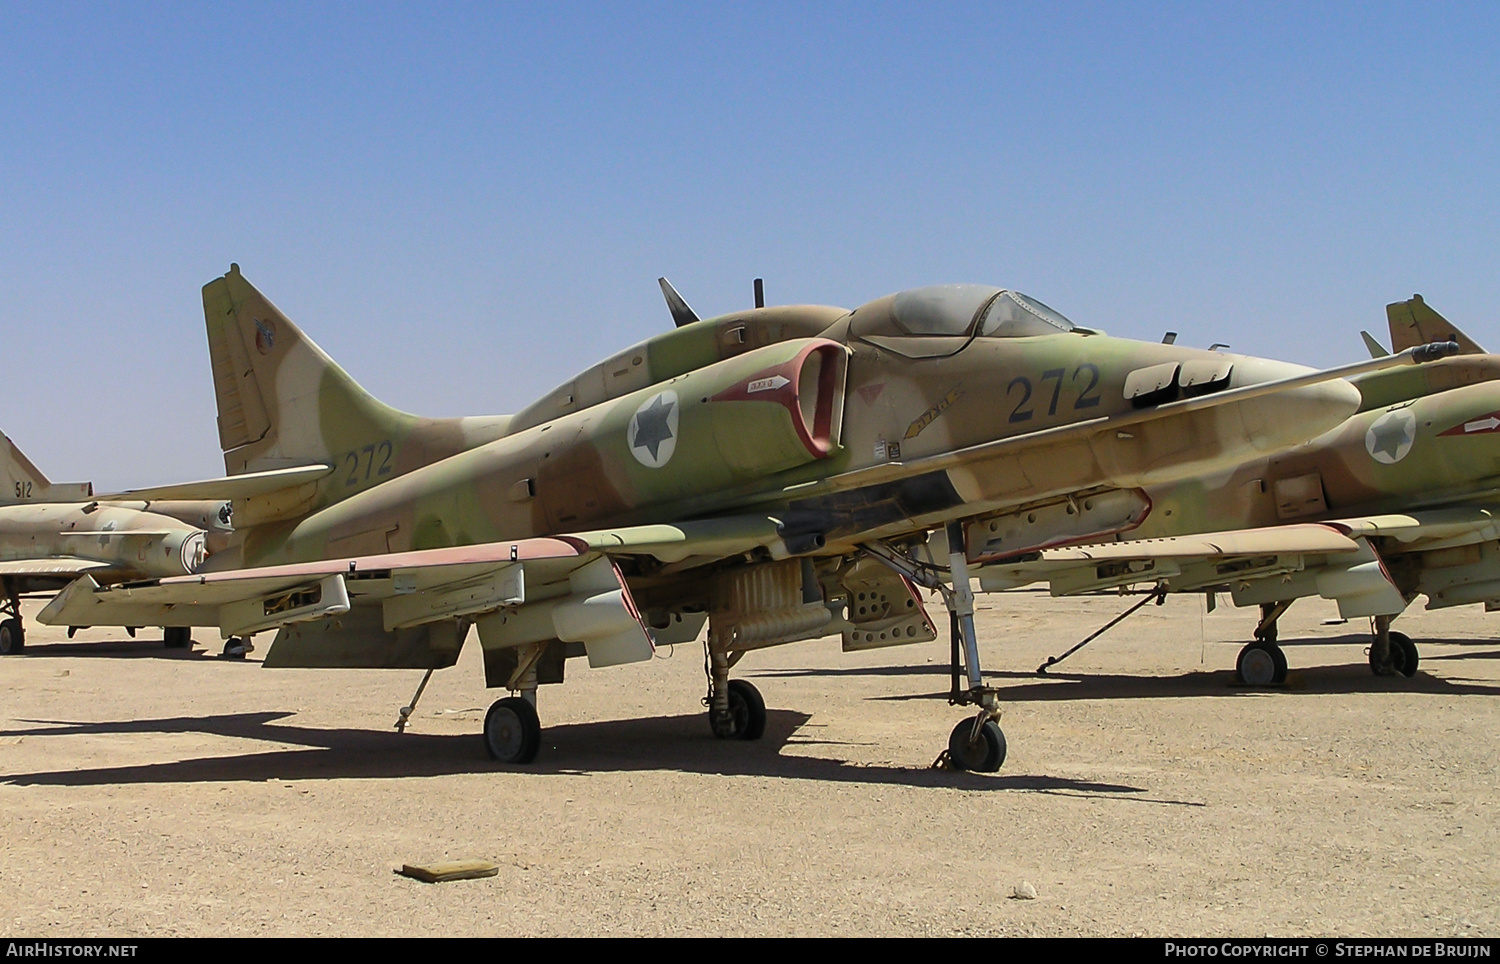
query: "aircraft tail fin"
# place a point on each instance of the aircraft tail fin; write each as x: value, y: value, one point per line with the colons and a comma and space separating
x: 282, y: 402
x: 1415, y: 323
x: 22, y: 481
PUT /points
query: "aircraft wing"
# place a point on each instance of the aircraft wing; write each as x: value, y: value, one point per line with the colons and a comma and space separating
x: 402, y: 609
x: 1182, y: 563
x: 1426, y: 528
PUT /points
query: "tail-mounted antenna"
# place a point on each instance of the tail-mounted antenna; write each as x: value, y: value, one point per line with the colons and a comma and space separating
x: 760, y: 292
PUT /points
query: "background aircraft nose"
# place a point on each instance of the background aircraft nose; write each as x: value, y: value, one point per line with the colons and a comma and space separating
x: 1295, y: 415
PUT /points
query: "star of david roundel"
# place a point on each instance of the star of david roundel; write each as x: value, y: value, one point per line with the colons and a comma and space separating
x: 1390, y: 436
x: 652, y: 435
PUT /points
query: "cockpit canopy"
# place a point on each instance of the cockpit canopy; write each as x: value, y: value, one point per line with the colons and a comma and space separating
x: 951, y: 315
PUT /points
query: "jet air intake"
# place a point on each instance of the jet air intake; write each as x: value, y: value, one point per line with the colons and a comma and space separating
x: 769, y: 410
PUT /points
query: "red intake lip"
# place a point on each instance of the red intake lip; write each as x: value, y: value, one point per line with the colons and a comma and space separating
x: 782, y: 385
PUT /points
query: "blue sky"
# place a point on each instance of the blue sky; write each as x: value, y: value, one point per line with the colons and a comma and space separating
x: 464, y: 204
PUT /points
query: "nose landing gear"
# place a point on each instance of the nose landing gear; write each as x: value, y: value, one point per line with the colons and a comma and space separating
x: 976, y: 744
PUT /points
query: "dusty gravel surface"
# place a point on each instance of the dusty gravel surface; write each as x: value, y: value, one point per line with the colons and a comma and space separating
x: 146, y: 792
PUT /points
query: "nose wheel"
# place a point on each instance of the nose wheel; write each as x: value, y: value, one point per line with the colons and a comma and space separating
x: 977, y: 745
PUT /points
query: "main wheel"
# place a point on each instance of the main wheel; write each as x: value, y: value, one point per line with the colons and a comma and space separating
x: 984, y: 755
x: 235, y: 647
x: 747, y: 714
x: 177, y: 637
x: 12, y: 637
x: 512, y: 730
x: 1261, y: 663
x: 1404, y: 654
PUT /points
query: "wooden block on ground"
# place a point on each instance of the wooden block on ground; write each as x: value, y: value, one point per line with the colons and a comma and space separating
x: 449, y: 870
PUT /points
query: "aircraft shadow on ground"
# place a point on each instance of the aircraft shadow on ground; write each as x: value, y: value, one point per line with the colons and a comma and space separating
x: 1060, y: 684
x: 1310, y: 681
x: 143, y: 648
x: 656, y: 743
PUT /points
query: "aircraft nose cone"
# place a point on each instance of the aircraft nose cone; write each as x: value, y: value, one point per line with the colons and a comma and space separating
x: 1293, y: 416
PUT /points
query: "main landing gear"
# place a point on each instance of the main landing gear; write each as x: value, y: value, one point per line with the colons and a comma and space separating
x: 512, y: 729
x: 1392, y: 653
x: 736, y: 710
x: 12, y: 633
x: 1263, y: 663
x: 978, y: 743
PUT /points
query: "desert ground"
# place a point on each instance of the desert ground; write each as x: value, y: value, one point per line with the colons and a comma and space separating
x: 154, y: 793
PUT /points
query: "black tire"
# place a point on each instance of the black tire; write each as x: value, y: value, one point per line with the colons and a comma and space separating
x: 12, y: 637
x: 1404, y: 654
x: 177, y: 637
x: 512, y: 731
x: 747, y: 714
x: 755, y: 708
x: 236, y: 647
x: 1261, y: 663
x: 984, y: 755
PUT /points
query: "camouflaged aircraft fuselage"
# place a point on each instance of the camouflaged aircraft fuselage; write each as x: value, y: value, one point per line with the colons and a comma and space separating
x: 765, y: 411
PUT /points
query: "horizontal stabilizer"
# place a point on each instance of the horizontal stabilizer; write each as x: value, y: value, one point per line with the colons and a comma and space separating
x: 227, y: 488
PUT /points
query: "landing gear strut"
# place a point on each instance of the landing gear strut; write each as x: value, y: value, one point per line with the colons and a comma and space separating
x: 976, y: 744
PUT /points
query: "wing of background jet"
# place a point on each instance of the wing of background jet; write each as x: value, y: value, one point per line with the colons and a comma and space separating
x: 1181, y: 563
x: 1348, y: 560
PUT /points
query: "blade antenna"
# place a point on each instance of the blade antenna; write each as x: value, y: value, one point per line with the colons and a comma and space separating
x: 682, y: 312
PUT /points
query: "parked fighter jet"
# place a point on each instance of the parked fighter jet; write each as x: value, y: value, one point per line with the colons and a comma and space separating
x: 1405, y: 494
x: 767, y: 471
x: 51, y: 532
